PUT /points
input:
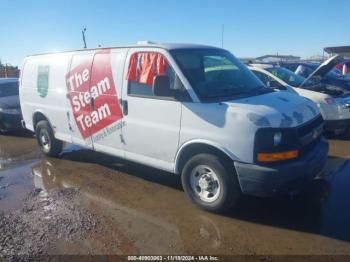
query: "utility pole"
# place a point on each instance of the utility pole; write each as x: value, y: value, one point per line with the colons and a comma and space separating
x: 6, y: 70
x: 222, y: 35
x: 323, y: 56
x: 84, y: 39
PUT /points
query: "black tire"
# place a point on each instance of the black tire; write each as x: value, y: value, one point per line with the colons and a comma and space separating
x: 51, y: 146
x: 230, y: 190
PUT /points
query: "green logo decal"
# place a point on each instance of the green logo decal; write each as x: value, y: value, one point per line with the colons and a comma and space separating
x: 43, y: 80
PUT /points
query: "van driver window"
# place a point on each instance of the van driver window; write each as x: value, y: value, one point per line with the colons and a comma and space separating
x: 143, y: 67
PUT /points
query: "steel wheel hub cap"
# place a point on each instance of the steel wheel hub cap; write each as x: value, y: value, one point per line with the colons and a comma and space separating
x: 205, y: 183
x: 45, y: 141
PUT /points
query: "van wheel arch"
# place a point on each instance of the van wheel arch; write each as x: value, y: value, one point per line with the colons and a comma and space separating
x: 37, y: 117
x: 49, y: 145
x: 210, y: 181
x: 195, y: 149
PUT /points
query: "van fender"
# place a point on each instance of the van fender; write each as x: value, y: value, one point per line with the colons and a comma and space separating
x: 202, y: 144
x: 42, y: 116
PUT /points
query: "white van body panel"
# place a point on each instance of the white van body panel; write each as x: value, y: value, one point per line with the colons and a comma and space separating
x: 54, y: 106
x: 154, y: 131
x: 230, y: 126
x: 328, y: 111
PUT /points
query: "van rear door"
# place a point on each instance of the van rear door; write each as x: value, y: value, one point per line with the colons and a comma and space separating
x: 105, y: 90
x: 78, y: 93
x: 96, y: 116
x: 151, y: 124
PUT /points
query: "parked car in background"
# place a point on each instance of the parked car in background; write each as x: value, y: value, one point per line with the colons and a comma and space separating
x: 326, y: 73
x: 334, y: 104
x: 10, y: 111
x: 191, y: 110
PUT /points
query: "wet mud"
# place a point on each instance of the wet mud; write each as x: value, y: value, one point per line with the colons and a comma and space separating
x: 90, y: 203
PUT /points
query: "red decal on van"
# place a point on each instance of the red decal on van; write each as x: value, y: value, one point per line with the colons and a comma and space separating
x: 86, y: 83
x: 144, y: 66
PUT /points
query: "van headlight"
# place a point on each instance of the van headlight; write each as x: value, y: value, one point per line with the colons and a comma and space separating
x: 335, y: 101
x: 276, y: 144
x: 10, y: 111
x: 277, y: 138
x: 330, y: 101
x: 345, y: 103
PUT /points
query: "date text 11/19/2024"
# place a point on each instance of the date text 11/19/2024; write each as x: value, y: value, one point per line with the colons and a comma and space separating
x: 173, y: 258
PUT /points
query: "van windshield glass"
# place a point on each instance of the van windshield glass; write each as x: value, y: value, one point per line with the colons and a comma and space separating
x: 8, y: 89
x: 288, y: 76
x: 216, y: 73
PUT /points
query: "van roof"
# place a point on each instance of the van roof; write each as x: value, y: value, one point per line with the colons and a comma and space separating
x: 167, y: 46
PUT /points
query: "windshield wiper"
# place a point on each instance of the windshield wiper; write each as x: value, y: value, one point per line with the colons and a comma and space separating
x: 259, y: 90
x: 226, y: 94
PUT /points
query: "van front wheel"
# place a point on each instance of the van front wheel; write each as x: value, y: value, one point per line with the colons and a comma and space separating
x: 211, y: 182
x: 49, y: 145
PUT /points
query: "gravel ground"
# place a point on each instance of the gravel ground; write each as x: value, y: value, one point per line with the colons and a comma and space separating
x: 92, y: 204
x: 44, y: 219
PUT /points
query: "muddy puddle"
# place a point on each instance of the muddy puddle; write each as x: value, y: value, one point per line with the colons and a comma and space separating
x: 90, y: 203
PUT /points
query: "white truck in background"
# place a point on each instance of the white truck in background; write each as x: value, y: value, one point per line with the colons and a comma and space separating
x: 333, y: 103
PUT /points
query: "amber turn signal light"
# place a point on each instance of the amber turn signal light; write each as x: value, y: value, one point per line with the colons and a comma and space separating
x: 273, y: 157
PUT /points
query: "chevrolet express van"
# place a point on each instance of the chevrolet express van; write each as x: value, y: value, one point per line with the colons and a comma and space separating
x: 191, y: 110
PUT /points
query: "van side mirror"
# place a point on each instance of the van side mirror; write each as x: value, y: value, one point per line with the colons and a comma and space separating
x: 161, y: 86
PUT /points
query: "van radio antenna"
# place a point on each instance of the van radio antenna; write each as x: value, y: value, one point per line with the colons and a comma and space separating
x: 84, y: 39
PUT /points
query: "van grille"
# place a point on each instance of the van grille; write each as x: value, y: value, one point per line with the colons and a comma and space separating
x: 310, y: 134
x: 310, y: 126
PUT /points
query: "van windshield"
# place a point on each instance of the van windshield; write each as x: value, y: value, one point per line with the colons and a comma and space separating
x: 216, y: 73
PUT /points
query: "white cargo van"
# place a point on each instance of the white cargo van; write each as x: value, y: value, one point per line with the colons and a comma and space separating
x: 191, y: 110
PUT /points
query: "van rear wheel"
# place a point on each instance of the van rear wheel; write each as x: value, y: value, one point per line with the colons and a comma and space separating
x: 211, y: 183
x: 49, y: 145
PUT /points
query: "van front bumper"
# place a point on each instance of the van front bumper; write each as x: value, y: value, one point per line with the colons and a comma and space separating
x: 265, y: 181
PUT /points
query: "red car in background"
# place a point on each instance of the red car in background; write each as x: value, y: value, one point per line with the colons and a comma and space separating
x: 340, y: 66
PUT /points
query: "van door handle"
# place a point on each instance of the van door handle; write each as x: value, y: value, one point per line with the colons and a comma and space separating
x: 92, y: 103
x: 125, y: 107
